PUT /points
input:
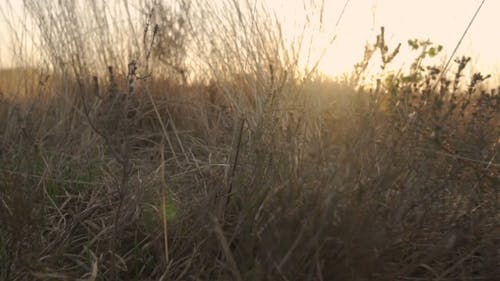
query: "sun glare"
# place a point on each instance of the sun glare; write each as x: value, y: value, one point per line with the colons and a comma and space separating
x: 442, y: 22
x: 241, y: 140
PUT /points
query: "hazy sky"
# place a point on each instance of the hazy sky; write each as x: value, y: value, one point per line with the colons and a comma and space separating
x: 441, y: 21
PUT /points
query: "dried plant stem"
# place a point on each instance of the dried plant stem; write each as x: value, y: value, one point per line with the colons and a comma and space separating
x: 233, y: 266
x: 233, y: 162
x: 163, y: 127
x: 164, y: 194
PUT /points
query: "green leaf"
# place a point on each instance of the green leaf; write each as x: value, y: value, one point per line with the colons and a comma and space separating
x: 413, y: 44
x: 432, y: 52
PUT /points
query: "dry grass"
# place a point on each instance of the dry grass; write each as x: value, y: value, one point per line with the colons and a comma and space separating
x: 256, y: 175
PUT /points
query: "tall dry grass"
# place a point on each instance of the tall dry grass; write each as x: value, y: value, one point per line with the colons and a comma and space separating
x: 168, y: 156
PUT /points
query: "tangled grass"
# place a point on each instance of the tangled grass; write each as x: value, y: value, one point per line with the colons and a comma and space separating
x: 262, y: 176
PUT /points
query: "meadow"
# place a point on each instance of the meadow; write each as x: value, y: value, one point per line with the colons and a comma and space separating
x: 197, y: 148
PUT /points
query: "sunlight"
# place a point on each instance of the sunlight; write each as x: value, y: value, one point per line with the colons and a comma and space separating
x: 237, y: 140
x: 442, y: 22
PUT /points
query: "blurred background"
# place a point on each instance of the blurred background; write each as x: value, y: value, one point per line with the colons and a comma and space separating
x: 442, y: 22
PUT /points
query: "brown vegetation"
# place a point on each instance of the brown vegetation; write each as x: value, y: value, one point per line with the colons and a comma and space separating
x: 263, y: 173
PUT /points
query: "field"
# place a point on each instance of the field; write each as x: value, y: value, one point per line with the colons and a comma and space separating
x: 197, y: 151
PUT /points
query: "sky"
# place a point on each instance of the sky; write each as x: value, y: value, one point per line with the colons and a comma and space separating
x: 441, y: 21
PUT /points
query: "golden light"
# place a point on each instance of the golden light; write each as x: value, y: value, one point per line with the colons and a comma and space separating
x: 442, y: 22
